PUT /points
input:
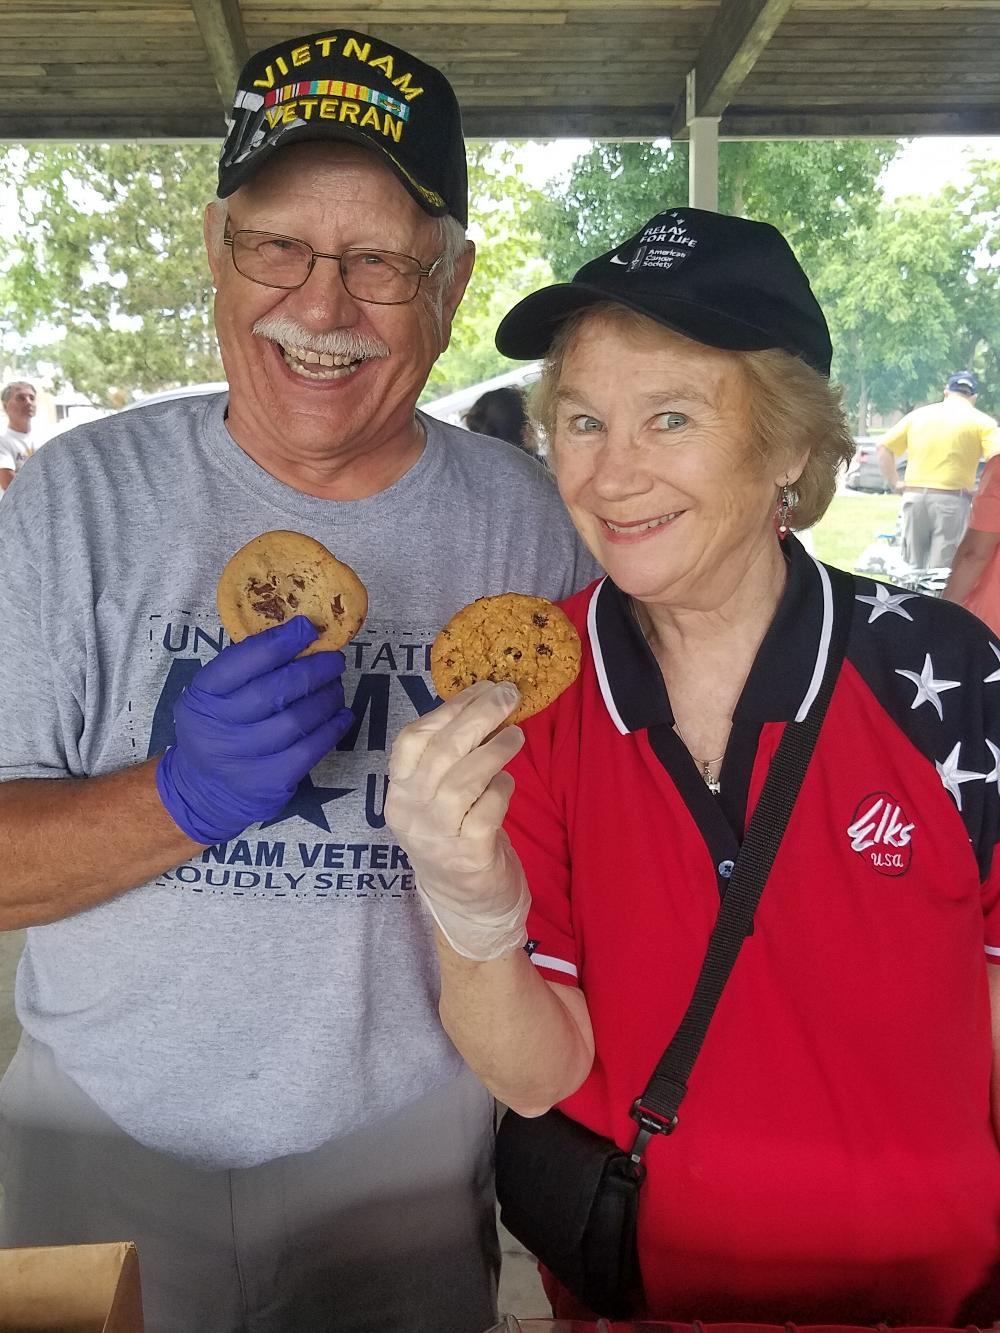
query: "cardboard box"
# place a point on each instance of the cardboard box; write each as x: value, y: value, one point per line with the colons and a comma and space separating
x: 71, y: 1289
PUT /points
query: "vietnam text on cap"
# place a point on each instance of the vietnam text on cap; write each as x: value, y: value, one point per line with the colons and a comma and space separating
x: 720, y: 280
x: 344, y: 85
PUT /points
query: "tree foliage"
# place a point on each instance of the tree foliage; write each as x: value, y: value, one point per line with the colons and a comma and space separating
x: 915, y: 296
x: 813, y: 191
x: 509, y: 265
x: 109, y: 249
x: 911, y: 289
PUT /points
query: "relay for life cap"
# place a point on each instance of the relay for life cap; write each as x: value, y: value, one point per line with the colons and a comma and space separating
x: 344, y: 85
x: 963, y: 381
x: 719, y: 280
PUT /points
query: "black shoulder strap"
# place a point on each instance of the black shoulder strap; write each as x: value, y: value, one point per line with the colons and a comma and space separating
x: 656, y: 1110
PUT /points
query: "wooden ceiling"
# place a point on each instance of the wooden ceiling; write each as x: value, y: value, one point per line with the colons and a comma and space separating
x: 165, y: 69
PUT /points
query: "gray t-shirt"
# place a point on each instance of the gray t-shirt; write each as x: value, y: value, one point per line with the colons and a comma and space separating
x: 279, y: 989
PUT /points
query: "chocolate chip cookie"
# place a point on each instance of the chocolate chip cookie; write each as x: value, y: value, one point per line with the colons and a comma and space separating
x: 279, y: 575
x: 510, y: 637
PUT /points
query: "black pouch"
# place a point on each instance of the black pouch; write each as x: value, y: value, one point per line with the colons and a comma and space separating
x: 571, y: 1198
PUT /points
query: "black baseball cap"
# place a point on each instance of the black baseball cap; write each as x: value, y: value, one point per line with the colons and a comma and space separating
x: 720, y: 280
x: 963, y: 381
x: 345, y: 85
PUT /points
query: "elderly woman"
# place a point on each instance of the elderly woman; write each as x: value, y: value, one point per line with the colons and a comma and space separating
x: 835, y: 1159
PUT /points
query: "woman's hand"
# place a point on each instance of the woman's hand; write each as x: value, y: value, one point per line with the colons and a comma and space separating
x: 447, y: 799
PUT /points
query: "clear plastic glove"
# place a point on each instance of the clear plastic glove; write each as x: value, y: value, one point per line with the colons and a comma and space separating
x: 250, y: 726
x: 446, y: 804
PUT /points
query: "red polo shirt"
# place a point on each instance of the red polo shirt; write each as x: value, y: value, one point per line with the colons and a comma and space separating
x: 835, y: 1159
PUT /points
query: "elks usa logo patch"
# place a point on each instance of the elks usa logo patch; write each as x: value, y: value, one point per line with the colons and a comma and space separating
x: 881, y: 832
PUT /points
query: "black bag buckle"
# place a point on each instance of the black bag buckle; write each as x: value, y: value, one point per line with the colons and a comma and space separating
x: 650, y: 1123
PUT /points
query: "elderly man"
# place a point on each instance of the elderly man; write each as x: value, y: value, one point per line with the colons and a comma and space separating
x: 19, y: 404
x: 232, y: 1053
x: 944, y: 443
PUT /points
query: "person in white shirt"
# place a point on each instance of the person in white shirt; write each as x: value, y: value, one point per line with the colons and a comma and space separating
x: 19, y: 402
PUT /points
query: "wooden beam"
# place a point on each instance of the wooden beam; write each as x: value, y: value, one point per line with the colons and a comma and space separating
x: 733, y: 44
x: 514, y: 122
x: 225, y: 42
x: 853, y: 123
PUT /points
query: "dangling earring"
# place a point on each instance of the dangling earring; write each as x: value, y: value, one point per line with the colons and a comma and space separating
x: 786, y: 502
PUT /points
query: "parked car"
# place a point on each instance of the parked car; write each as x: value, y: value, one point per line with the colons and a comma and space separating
x: 863, y: 471
x: 184, y: 391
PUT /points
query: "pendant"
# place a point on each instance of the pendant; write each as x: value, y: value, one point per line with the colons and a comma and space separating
x: 713, y: 784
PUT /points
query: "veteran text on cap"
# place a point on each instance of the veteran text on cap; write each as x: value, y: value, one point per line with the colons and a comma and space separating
x: 345, y: 85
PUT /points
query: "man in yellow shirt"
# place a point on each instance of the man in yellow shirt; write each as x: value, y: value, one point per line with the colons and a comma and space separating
x: 943, y: 443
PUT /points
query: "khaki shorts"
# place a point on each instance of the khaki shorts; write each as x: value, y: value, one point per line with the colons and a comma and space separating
x: 934, y: 523
x: 387, y: 1230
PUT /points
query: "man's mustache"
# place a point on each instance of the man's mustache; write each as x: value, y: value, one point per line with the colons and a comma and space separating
x: 335, y: 342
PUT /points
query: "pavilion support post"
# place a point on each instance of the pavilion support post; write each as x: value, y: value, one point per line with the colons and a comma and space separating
x: 703, y: 154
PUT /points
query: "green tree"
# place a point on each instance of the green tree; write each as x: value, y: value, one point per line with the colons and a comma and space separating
x: 980, y: 204
x: 109, y: 249
x: 911, y: 289
x: 509, y: 265
x: 916, y: 294
x: 813, y: 191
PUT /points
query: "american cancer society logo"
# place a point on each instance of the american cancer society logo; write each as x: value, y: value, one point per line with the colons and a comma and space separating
x: 664, y: 243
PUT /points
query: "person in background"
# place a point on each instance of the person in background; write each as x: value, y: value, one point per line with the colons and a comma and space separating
x: 19, y: 404
x: 974, y: 581
x: 231, y: 1052
x: 502, y: 414
x: 944, y: 444
x: 685, y: 391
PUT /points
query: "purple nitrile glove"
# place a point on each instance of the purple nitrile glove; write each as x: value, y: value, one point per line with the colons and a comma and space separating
x: 250, y: 726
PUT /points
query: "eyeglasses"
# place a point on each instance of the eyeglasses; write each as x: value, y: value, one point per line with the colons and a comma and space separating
x: 380, y: 277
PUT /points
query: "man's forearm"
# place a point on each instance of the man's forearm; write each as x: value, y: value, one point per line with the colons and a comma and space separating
x: 887, y: 462
x: 69, y: 844
x: 965, y: 574
x: 530, y: 1044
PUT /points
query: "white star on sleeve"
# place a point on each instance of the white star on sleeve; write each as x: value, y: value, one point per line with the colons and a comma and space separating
x: 952, y: 776
x: 929, y: 690
x: 995, y: 775
x: 885, y: 602
x: 995, y: 675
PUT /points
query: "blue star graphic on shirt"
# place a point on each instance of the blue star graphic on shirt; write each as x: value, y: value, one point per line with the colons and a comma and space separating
x: 994, y: 675
x: 307, y: 804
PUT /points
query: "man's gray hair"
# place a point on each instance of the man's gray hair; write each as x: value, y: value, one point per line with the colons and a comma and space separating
x: 7, y: 393
x: 451, y: 242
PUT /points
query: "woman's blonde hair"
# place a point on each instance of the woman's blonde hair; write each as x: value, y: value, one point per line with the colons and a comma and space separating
x: 791, y: 407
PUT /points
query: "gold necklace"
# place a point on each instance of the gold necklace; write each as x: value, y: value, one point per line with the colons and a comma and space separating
x: 704, y: 766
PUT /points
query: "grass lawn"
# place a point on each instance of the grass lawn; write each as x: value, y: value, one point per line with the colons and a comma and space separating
x: 853, y: 521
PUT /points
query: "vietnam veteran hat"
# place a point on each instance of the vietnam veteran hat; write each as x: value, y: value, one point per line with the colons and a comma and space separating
x: 720, y: 280
x: 344, y: 85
